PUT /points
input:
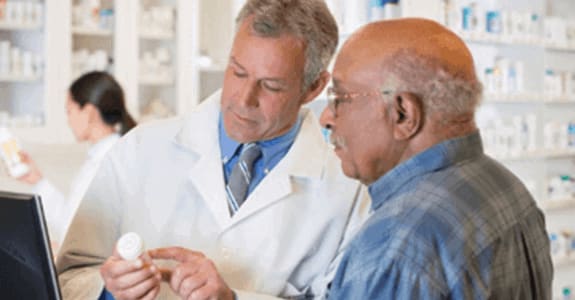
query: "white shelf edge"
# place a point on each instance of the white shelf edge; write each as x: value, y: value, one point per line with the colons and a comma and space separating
x: 213, y: 68
x: 550, y: 205
x: 77, y: 30
x: 563, y: 261
x: 16, y: 26
x: 157, y: 35
x: 493, y: 38
x: 558, y: 154
x: 558, y: 47
x: 156, y: 81
x: 521, y: 156
x: 19, y: 78
x: 528, y: 98
x: 559, y: 100
x: 539, y: 154
x: 512, y: 98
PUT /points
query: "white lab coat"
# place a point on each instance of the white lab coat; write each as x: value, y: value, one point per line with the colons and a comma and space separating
x: 166, y: 182
x: 59, y: 209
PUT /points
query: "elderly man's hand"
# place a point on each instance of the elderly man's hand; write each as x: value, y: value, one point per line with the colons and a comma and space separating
x: 126, y: 280
x: 194, y: 277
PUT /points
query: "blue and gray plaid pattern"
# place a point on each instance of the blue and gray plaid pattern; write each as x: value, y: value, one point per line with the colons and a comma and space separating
x: 450, y: 223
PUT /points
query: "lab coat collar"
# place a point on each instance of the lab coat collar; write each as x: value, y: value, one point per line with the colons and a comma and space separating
x: 100, y: 148
x: 309, y: 147
x: 199, y: 135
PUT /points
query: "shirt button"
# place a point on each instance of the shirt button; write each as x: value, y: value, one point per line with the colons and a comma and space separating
x: 266, y: 170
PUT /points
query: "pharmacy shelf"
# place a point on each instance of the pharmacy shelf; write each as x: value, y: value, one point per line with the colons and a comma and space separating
x: 553, y: 205
x: 486, y: 38
x: 513, y: 98
x: 91, y: 31
x: 550, y: 154
x: 559, y: 100
x: 156, y: 81
x: 17, y: 26
x: 213, y: 68
x: 559, y: 47
x: 526, y: 99
x: 19, y: 78
x: 564, y: 261
x: 517, y: 157
x: 540, y: 154
x: 162, y: 36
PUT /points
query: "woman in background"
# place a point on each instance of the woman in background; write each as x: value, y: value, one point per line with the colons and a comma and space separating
x: 97, y: 114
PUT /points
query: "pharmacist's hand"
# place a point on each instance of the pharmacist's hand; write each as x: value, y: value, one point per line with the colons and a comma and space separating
x: 195, y: 276
x: 135, y: 279
x: 34, y: 175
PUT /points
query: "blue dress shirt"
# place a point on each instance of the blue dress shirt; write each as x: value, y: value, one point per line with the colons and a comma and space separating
x: 449, y: 223
x: 273, y: 151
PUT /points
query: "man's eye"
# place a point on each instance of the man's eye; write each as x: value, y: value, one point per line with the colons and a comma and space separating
x: 240, y: 75
x: 271, y: 87
x: 337, y: 101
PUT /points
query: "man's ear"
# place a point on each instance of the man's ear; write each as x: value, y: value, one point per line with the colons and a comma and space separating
x: 407, y: 115
x: 316, y: 87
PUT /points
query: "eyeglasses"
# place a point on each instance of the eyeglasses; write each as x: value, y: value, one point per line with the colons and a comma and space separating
x: 334, y: 99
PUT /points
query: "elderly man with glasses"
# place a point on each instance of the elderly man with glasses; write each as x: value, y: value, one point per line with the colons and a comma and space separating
x: 449, y: 222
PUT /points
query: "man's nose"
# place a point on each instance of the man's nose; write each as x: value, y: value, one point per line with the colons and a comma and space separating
x: 249, y: 94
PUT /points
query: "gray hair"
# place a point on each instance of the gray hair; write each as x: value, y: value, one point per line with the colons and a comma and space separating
x: 309, y: 20
x: 441, y: 92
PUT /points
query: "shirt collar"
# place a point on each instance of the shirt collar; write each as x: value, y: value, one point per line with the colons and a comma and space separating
x: 437, y: 157
x: 270, y: 148
x: 102, y: 146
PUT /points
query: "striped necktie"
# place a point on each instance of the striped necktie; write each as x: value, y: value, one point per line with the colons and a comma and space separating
x: 241, y: 176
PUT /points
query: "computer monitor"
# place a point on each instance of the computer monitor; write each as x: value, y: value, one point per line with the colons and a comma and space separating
x: 26, y: 265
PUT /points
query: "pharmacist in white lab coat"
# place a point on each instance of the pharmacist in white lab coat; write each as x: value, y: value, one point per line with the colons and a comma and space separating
x: 173, y: 182
x: 96, y: 114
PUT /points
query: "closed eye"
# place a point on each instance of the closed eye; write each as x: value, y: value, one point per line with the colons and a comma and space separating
x: 271, y: 86
x: 240, y: 74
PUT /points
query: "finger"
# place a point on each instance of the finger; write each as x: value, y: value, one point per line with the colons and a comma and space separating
x: 139, y: 290
x: 175, y: 253
x: 191, y: 284
x: 130, y: 280
x: 204, y: 292
x: 24, y: 157
x: 152, y: 294
x: 180, y: 273
x: 115, y: 267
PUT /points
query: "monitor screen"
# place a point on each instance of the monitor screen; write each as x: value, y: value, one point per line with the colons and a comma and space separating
x: 26, y: 265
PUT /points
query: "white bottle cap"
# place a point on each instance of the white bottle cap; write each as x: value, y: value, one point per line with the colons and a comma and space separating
x: 130, y: 246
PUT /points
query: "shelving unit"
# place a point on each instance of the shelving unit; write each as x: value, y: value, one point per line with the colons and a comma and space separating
x: 12, y: 26
x: 19, y: 78
x: 564, y: 262
x: 77, y: 30
x: 157, y: 29
x: 92, y: 37
x: 553, y: 205
x: 24, y: 72
x: 36, y: 103
x: 538, y: 162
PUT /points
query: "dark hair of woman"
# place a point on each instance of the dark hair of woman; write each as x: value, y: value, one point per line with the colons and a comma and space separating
x: 105, y: 93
